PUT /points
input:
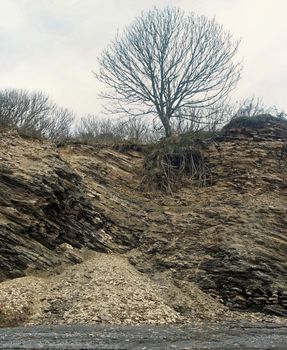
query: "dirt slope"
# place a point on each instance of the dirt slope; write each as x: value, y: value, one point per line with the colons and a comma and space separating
x: 203, y: 250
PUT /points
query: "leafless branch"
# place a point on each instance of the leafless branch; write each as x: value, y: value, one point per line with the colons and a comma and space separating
x: 167, y: 61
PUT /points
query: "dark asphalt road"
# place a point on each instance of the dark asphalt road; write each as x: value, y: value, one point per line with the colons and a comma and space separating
x: 82, y: 337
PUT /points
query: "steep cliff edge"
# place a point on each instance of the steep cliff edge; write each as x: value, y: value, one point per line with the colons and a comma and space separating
x: 209, y: 249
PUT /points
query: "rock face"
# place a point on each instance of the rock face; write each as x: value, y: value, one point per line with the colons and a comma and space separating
x: 248, y: 269
x: 229, y: 239
x: 42, y: 205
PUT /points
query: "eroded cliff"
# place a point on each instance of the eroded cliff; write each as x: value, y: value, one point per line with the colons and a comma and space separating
x: 209, y: 249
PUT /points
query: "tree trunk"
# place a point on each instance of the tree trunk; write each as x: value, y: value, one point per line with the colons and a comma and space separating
x: 166, y: 125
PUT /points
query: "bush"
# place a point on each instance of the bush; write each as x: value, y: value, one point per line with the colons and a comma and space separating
x: 93, y: 130
x: 173, y: 161
x: 33, y: 114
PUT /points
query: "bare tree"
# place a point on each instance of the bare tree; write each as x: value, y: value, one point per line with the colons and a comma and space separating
x: 58, y: 124
x: 167, y: 61
x: 209, y: 119
x: 23, y: 109
x: 134, y: 129
x: 251, y: 107
x: 213, y: 118
x: 92, y: 129
x: 34, y: 114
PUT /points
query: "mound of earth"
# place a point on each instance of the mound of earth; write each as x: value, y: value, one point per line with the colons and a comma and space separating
x: 265, y: 123
x: 202, y: 252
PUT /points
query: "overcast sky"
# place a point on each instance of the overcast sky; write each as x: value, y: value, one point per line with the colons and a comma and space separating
x: 52, y: 45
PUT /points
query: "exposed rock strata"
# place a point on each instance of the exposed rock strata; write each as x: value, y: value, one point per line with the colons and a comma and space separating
x: 43, y: 204
x: 230, y: 238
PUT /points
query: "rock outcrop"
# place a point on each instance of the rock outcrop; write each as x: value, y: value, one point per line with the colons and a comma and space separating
x: 43, y: 205
x: 229, y: 239
x: 248, y: 269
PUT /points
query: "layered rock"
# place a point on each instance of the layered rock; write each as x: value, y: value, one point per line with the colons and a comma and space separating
x: 229, y: 238
x: 249, y: 270
x: 43, y: 205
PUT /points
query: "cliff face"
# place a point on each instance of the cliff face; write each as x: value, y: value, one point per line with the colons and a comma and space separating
x: 229, y: 239
x: 43, y: 205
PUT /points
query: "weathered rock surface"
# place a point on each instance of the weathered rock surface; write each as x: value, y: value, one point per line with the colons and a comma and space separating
x: 229, y: 239
x: 248, y: 268
x: 43, y: 205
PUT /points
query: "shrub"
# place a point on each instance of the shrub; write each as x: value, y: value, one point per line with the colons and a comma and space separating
x: 33, y: 114
x: 173, y: 161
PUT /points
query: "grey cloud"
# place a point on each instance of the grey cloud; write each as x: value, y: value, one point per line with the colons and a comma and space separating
x: 53, y: 45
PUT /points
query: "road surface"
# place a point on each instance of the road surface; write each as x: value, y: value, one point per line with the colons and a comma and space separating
x: 105, y: 337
